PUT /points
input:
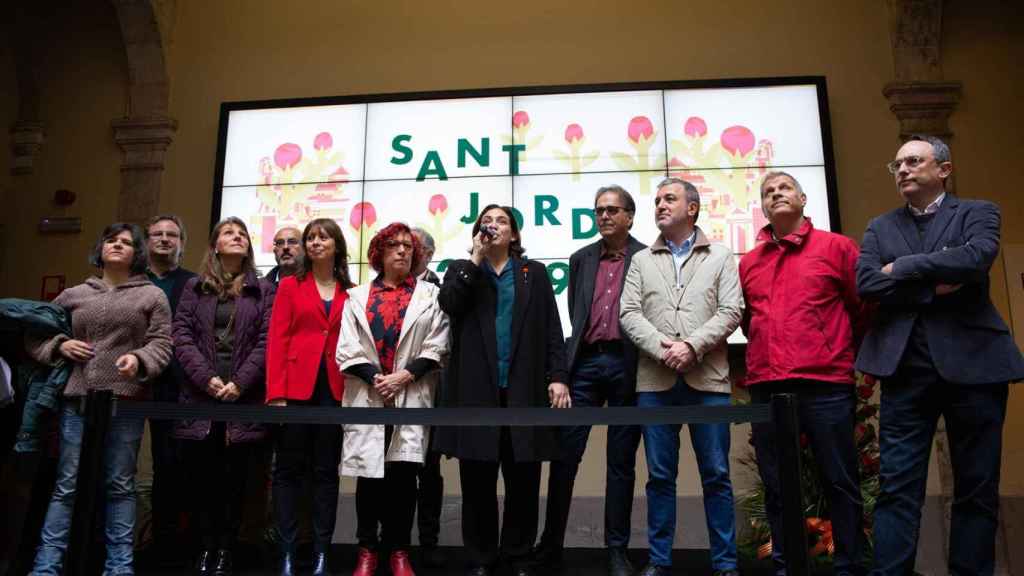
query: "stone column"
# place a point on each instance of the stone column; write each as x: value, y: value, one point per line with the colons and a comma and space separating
x: 143, y: 143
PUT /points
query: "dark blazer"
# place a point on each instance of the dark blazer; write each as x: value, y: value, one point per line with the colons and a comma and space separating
x: 968, y: 340
x: 582, y: 277
x: 167, y: 386
x: 195, y: 348
x: 537, y: 359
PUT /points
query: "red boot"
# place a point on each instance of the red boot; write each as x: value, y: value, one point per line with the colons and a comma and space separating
x: 366, y: 562
x: 400, y: 565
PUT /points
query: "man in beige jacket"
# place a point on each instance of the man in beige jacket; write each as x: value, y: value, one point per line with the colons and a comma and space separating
x: 680, y: 302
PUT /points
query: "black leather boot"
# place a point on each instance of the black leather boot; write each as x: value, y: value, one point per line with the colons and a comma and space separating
x: 320, y: 564
x: 203, y: 563
x: 287, y: 565
x: 224, y: 565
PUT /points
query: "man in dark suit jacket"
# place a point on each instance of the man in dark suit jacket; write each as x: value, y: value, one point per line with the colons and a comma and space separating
x: 602, y: 368
x: 940, y: 348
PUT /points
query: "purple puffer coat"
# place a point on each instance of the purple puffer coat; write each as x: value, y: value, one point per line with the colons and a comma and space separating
x: 194, y: 347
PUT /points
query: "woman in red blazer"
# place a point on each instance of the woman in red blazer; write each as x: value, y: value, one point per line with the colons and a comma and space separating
x: 301, y: 370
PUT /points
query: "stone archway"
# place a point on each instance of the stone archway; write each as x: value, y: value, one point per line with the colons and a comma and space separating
x: 146, y: 130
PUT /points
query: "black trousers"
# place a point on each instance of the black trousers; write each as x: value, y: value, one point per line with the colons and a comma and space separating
x: 480, y: 507
x: 386, y: 506
x: 297, y: 445
x: 168, y: 464
x: 599, y: 378
x: 429, y: 497
x: 217, y: 484
x: 827, y: 416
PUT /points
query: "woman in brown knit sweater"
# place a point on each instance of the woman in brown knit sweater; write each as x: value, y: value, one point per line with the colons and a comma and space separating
x: 121, y: 326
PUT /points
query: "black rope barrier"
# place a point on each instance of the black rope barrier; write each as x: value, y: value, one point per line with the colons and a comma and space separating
x: 782, y: 412
x: 616, y: 416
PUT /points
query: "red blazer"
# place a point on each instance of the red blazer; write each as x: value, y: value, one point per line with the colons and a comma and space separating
x: 300, y: 335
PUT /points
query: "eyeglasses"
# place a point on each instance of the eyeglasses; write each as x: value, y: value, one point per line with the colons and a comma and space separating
x: 164, y: 234
x: 611, y: 210
x: 280, y: 242
x: 393, y: 244
x: 910, y: 161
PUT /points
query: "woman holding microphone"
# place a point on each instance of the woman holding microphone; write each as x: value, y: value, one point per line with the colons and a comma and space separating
x: 507, y: 351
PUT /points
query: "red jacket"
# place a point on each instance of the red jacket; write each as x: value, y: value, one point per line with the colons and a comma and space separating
x: 803, y: 317
x: 300, y: 336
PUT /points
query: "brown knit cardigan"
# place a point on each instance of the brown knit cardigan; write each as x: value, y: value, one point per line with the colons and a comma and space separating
x: 133, y: 317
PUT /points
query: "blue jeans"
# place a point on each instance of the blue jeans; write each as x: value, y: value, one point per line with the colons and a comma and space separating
x: 598, y: 378
x: 827, y: 414
x: 120, y: 451
x: 912, y: 401
x: 711, y: 446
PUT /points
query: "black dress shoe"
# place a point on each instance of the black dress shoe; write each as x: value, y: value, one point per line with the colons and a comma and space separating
x: 479, y: 571
x: 432, y: 557
x: 618, y: 562
x: 655, y: 570
x: 522, y: 571
x: 287, y: 562
x: 732, y: 572
x: 546, y: 556
x: 203, y: 563
x: 320, y: 564
x: 224, y: 566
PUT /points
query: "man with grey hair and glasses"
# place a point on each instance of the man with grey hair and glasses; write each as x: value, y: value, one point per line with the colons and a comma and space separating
x: 680, y: 303
x: 939, y: 348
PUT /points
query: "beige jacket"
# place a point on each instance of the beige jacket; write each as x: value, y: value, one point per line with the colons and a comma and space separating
x: 424, y: 335
x: 704, y: 311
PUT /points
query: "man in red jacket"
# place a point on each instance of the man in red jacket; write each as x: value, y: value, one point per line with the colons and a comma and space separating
x: 803, y: 323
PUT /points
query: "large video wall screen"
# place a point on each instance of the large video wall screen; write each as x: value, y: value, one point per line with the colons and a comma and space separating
x: 434, y: 162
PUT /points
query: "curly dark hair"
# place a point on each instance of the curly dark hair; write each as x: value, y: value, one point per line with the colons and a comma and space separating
x: 140, y: 258
x: 378, y: 245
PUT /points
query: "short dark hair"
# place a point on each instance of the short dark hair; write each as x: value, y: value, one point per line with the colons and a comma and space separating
x: 140, y: 259
x: 939, y: 148
x: 515, y: 247
x: 340, y: 250
x: 691, y: 193
x: 378, y: 244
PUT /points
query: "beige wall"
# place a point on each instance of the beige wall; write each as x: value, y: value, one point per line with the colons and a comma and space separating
x: 258, y: 49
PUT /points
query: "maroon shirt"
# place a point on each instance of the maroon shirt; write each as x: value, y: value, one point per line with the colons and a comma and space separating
x: 604, y: 307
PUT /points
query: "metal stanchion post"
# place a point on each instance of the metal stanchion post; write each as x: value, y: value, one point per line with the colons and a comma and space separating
x: 98, y: 409
x: 786, y: 419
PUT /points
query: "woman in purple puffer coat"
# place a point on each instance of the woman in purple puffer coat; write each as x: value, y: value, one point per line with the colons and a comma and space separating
x: 220, y: 339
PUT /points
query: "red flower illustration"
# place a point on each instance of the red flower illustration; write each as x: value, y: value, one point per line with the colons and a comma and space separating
x: 573, y: 132
x: 520, y: 119
x: 438, y: 203
x: 323, y: 141
x: 695, y: 127
x: 287, y: 155
x: 640, y: 126
x: 865, y: 392
x: 339, y: 175
x: 363, y: 213
x: 738, y: 140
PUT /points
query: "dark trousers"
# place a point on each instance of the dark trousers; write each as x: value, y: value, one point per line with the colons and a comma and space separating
x: 827, y: 416
x: 218, y: 478
x: 911, y: 404
x: 599, y: 378
x: 480, y: 507
x: 386, y: 506
x: 429, y: 497
x: 168, y: 464
x: 298, y: 445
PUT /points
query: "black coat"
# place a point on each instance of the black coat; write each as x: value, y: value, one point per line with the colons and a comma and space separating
x: 537, y: 359
x: 967, y: 338
x: 582, y: 279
